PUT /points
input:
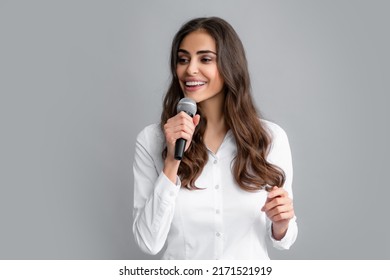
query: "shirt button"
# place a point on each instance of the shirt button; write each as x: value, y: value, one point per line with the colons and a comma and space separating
x: 171, y: 193
x: 218, y: 234
x: 217, y: 211
x: 216, y: 187
x: 215, y: 161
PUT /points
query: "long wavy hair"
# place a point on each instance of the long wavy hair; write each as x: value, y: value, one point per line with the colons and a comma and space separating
x: 250, y: 168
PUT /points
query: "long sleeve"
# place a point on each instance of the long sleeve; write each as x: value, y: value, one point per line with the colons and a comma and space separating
x: 280, y: 155
x: 154, y: 194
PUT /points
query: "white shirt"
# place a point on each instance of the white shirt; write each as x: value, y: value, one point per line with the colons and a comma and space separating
x: 220, y: 221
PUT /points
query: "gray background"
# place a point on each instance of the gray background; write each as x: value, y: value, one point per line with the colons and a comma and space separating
x: 80, y: 79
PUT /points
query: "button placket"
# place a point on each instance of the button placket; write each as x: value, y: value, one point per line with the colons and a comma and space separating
x: 218, y: 208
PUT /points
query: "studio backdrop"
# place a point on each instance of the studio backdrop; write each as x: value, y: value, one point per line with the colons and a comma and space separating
x: 80, y: 79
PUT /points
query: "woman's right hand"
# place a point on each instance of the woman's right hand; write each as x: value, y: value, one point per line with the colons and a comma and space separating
x: 179, y: 126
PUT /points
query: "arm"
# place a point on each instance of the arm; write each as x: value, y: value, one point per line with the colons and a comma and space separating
x: 281, y: 221
x: 155, y: 192
x: 154, y: 198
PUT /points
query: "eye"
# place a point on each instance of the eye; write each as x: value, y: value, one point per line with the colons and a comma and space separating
x: 206, y: 59
x: 183, y: 60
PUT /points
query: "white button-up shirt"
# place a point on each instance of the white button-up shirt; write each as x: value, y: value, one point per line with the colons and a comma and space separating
x: 219, y: 221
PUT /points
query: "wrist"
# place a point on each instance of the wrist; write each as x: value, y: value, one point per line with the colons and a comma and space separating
x: 171, y: 167
x: 279, y: 230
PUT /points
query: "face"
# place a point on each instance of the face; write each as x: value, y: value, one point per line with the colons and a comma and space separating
x: 197, y: 68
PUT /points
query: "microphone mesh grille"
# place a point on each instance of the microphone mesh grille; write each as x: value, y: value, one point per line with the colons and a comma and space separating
x: 187, y: 105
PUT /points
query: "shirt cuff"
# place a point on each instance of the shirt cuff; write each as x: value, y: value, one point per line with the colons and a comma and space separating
x: 165, y: 189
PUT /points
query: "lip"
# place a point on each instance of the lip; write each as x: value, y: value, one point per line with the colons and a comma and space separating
x: 193, y: 79
x: 195, y: 88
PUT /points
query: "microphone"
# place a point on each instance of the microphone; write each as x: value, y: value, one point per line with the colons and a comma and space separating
x: 188, y: 106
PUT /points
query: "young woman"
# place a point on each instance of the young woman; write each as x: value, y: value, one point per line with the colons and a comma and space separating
x: 213, y: 204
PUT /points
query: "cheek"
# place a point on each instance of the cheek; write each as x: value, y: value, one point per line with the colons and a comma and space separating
x: 215, y: 76
x: 218, y: 81
x: 178, y: 73
x: 180, y: 70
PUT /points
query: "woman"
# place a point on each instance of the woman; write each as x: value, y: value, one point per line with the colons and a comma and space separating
x: 212, y: 204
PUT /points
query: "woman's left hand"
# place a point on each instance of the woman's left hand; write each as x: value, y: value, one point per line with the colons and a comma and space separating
x: 279, y: 209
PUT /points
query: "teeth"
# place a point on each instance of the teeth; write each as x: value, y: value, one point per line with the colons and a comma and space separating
x: 195, y: 83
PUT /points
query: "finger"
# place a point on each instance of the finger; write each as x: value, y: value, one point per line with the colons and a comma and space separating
x: 279, y: 210
x: 181, y: 127
x: 196, y: 120
x: 179, y: 119
x: 282, y: 216
x: 187, y: 123
x: 277, y: 192
x: 177, y: 126
x: 183, y: 117
x: 269, y: 189
x: 277, y: 201
x: 182, y: 135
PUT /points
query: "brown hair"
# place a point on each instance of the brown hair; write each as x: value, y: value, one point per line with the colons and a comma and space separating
x: 250, y: 168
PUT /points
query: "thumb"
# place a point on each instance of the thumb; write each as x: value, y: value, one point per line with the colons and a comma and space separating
x: 196, y: 119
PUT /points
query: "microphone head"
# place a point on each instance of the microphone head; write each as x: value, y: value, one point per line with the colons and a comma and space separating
x: 187, y: 105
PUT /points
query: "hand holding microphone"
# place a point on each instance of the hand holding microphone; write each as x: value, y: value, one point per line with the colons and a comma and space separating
x: 179, y: 129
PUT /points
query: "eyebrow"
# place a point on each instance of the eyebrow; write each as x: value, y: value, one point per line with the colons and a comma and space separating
x: 198, y: 52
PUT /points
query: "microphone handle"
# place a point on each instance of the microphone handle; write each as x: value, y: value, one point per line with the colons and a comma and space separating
x: 179, y: 148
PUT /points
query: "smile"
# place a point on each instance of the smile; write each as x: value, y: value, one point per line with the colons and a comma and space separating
x: 194, y: 83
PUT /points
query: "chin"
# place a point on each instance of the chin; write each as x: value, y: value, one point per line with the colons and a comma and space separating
x: 193, y: 96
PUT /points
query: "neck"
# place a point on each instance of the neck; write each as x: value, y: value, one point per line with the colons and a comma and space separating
x: 213, y: 111
x: 216, y: 126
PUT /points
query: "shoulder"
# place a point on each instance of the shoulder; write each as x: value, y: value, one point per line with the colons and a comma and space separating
x: 152, y: 130
x: 275, y: 131
x: 151, y: 136
x: 150, y: 144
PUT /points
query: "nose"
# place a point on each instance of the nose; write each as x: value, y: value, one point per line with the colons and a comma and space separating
x: 192, y: 68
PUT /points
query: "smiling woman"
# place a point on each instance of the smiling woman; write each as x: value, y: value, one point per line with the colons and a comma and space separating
x: 214, y: 203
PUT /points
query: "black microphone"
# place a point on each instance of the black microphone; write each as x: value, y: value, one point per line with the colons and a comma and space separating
x: 188, y: 106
